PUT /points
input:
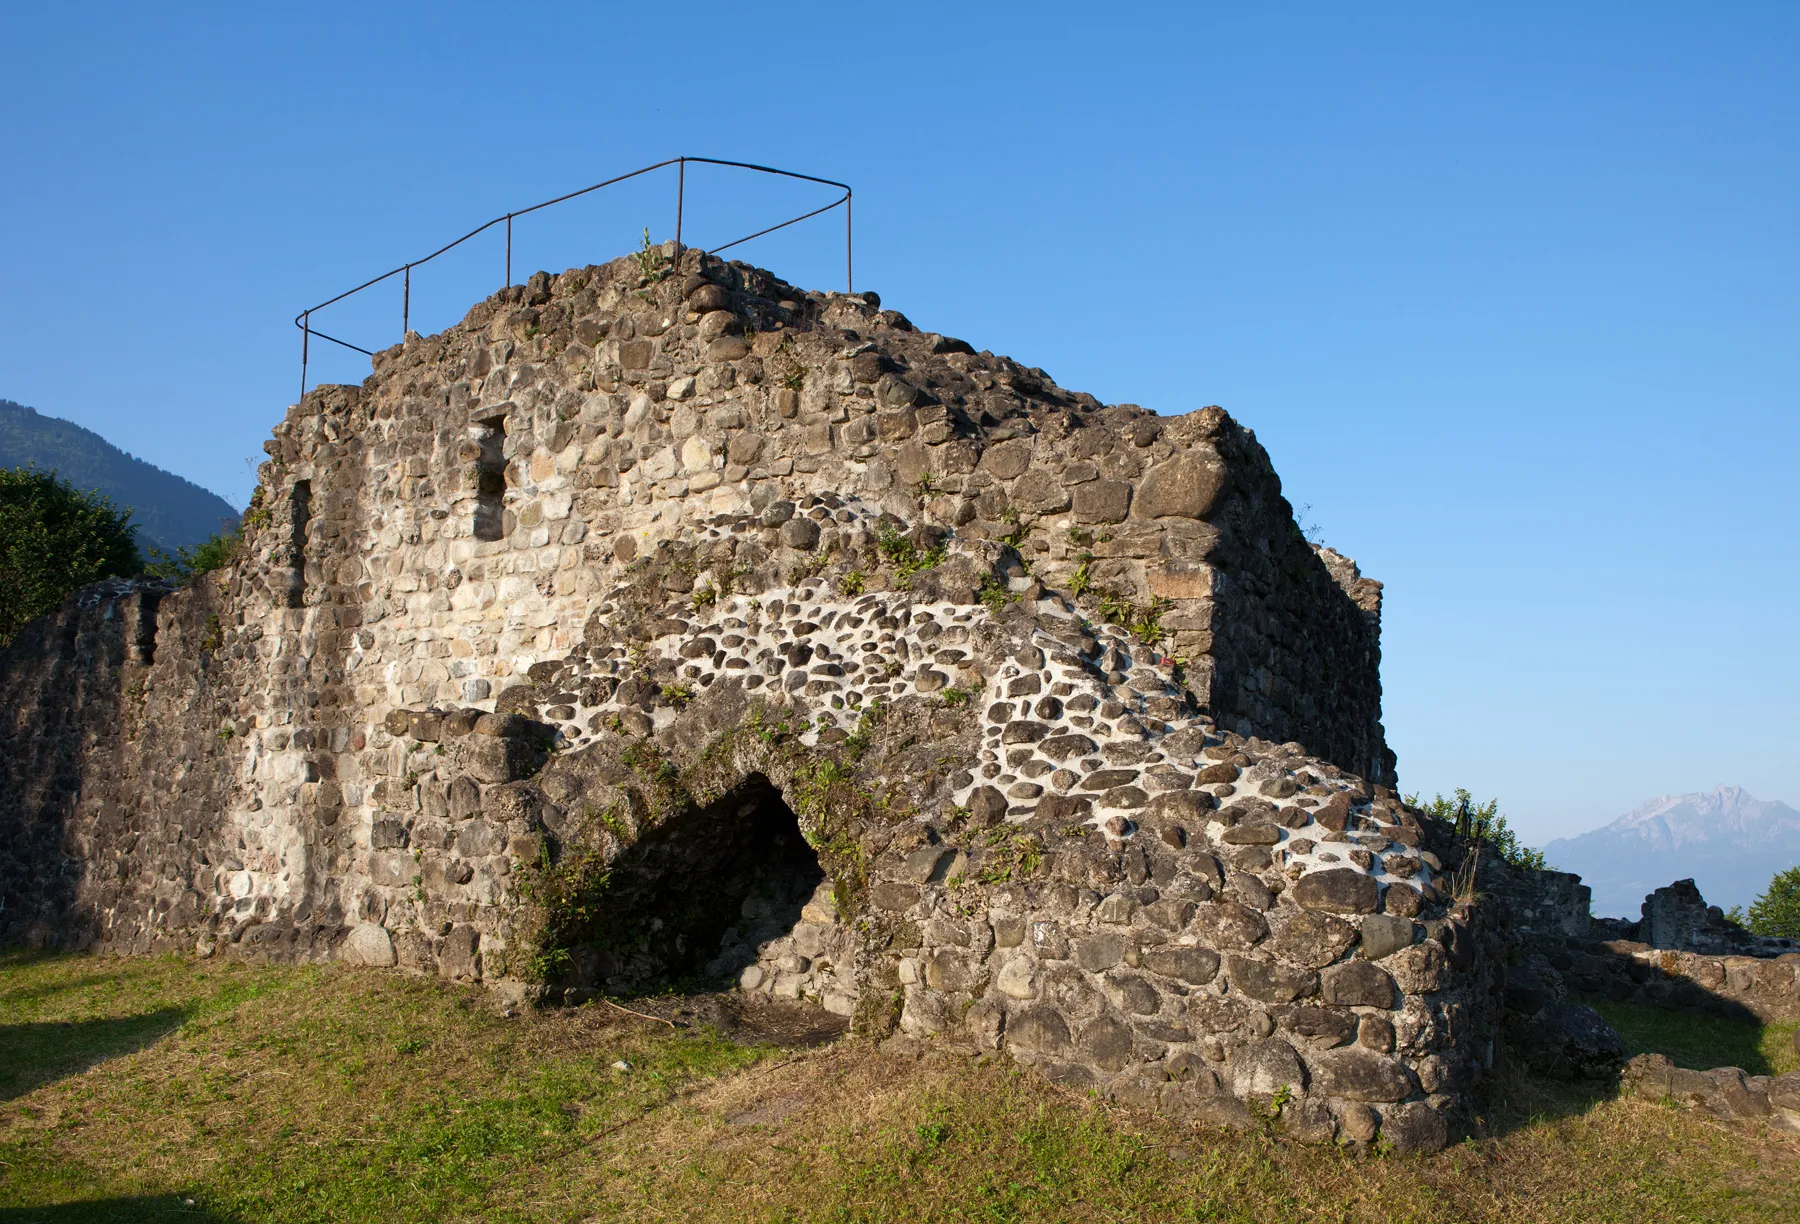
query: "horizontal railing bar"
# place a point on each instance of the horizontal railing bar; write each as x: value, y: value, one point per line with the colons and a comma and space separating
x: 448, y: 246
x: 596, y: 187
x: 490, y: 224
x: 714, y: 161
x: 346, y: 293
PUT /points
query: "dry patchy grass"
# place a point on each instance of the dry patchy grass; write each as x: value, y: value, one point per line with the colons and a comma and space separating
x: 303, y: 1094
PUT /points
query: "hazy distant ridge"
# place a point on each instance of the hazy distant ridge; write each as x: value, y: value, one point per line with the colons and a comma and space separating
x: 170, y: 512
x: 1727, y: 840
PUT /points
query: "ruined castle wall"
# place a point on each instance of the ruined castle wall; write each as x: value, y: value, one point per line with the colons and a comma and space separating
x: 1296, y: 649
x: 624, y: 559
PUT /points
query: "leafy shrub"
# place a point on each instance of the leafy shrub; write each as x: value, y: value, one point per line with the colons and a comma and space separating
x: 573, y: 893
x: 53, y: 539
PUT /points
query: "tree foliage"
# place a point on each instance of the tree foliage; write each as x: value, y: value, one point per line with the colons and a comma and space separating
x: 53, y: 539
x: 1777, y: 911
x: 1483, y: 824
x: 186, y: 564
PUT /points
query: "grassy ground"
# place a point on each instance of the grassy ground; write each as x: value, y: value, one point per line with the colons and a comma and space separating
x: 167, y: 1090
x: 1703, y: 1042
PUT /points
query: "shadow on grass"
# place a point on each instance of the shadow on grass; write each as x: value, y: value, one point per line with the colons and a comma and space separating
x: 132, y: 1210
x: 1696, y: 1041
x: 35, y: 1054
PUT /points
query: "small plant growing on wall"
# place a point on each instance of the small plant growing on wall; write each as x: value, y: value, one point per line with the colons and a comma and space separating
x: 1082, y: 580
x: 906, y: 558
x: 994, y: 594
x: 1015, y: 534
x: 652, y: 263
x: 1141, y: 621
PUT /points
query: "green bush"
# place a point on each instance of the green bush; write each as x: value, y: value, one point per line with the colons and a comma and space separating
x: 1777, y: 911
x: 53, y: 539
x: 1482, y: 823
x: 187, y: 564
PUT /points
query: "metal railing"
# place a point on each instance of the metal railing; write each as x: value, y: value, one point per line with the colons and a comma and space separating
x: 303, y: 320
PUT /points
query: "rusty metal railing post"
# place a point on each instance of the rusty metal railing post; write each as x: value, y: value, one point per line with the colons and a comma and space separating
x: 680, y: 202
x: 305, y: 346
x: 406, y: 304
x: 508, y: 283
x: 849, y: 268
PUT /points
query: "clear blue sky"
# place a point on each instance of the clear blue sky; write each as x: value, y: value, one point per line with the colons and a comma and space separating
x: 1510, y: 295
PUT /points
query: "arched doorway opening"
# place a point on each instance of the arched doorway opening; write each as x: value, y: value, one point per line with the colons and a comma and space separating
x: 725, y: 895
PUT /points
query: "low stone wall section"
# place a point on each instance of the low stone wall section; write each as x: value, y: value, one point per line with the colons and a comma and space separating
x: 1768, y: 989
x: 1538, y: 903
x: 1725, y: 1092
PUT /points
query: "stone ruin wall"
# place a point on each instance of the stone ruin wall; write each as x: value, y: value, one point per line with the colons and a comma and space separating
x: 112, y: 774
x: 580, y: 579
x: 1681, y: 956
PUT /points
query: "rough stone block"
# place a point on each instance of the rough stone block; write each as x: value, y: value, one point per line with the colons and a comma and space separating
x: 1357, y: 983
x: 1187, y: 486
x: 1356, y: 1073
x: 1258, y: 1070
x: 1340, y: 890
x: 368, y: 944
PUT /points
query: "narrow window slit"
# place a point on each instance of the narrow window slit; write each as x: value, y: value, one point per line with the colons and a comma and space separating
x: 489, y: 437
x: 299, y: 513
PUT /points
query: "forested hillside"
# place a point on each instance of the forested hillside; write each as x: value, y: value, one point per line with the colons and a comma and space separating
x: 170, y: 512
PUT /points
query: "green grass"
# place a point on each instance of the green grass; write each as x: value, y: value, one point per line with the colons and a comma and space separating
x: 305, y: 1094
x: 165, y: 1090
x: 54, y: 1021
x: 1702, y: 1042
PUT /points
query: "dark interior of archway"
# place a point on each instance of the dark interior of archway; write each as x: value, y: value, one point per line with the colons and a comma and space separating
x: 687, y: 904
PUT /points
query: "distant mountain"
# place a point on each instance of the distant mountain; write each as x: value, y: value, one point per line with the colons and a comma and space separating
x: 170, y: 512
x: 1729, y: 842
